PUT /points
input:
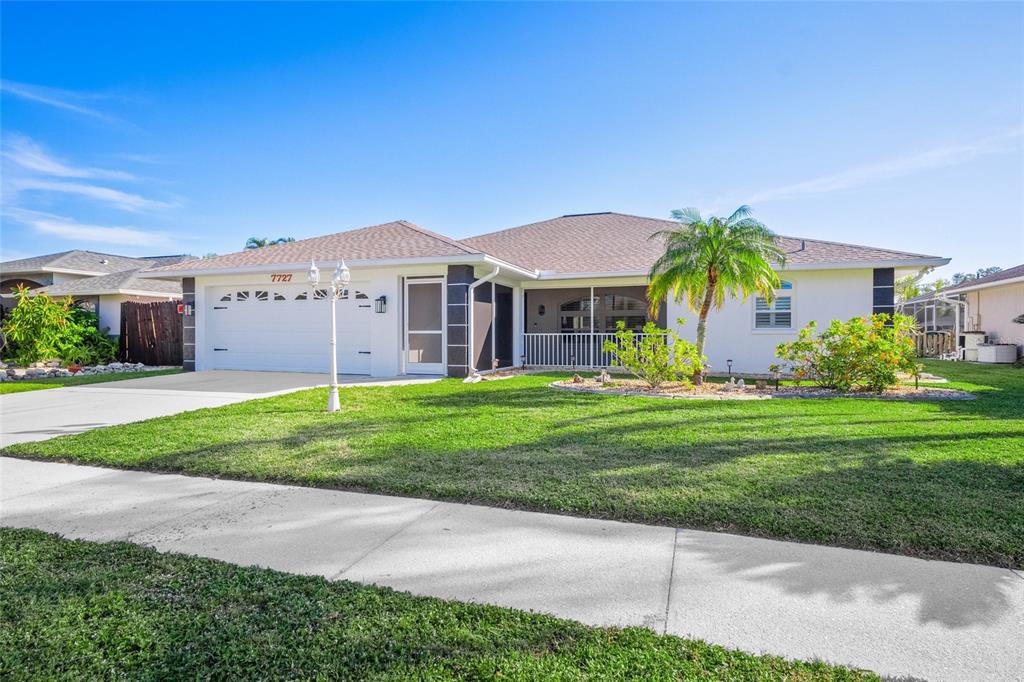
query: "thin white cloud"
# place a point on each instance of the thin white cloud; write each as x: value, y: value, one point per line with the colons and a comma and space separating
x: 125, y: 201
x: 30, y: 155
x: 59, y: 99
x: 72, y: 230
x: 150, y: 159
x: 941, y: 157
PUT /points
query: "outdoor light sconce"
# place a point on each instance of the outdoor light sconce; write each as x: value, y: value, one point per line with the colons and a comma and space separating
x: 380, y: 304
x: 541, y: 310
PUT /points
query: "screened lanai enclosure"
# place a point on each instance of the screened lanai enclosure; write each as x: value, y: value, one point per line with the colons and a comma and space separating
x: 567, y: 328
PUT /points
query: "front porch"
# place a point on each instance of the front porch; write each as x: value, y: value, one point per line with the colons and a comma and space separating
x: 566, y: 328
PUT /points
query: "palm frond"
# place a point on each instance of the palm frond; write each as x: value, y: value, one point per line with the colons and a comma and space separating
x: 739, y: 214
x: 687, y: 215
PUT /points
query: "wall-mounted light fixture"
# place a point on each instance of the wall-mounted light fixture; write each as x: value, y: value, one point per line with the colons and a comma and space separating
x: 380, y: 304
x: 541, y: 310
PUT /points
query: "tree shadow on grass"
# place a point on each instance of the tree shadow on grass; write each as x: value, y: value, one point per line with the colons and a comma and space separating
x: 826, y: 487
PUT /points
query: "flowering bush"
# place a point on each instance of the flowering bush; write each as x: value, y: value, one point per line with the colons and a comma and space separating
x: 41, y: 328
x: 658, y: 356
x: 863, y: 352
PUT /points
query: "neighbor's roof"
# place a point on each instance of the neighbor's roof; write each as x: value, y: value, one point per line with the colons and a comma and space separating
x: 157, y: 261
x: 1007, y: 276
x: 1003, y: 276
x: 616, y: 242
x: 126, y: 282
x: 395, y: 240
x: 74, y: 261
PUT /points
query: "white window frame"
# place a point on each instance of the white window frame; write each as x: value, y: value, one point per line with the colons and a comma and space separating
x: 778, y: 293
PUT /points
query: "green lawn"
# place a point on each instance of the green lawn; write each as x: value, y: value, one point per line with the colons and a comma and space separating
x: 57, y: 382
x: 940, y: 479
x: 82, y: 610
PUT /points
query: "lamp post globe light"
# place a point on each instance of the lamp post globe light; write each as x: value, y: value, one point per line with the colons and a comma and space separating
x: 339, y: 281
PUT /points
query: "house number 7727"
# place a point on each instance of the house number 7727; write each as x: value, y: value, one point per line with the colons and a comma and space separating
x: 281, y: 278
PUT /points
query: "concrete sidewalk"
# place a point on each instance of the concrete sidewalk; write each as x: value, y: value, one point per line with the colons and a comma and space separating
x: 896, y: 615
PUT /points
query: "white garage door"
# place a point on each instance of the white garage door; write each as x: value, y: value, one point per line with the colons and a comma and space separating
x: 286, y: 328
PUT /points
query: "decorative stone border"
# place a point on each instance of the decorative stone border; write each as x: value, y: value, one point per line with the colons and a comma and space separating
x: 47, y: 371
x: 770, y: 394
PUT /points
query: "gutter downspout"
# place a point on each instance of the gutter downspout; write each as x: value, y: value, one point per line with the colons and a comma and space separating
x: 470, y: 361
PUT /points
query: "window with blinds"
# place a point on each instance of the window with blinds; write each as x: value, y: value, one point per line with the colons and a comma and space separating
x: 777, y: 314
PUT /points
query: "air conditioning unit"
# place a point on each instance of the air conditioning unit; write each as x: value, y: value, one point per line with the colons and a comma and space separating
x: 997, y: 353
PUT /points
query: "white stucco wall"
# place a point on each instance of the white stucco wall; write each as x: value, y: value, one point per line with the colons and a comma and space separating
x: 820, y: 295
x: 109, y: 311
x: 992, y: 311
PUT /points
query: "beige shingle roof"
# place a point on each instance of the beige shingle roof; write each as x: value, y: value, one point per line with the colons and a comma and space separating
x: 609, y: 242
x: 593, y: 242
x: 395, y: 240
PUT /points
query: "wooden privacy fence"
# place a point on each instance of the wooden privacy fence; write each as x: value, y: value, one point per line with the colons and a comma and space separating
x: 934, y: 344
x: 151, y: 333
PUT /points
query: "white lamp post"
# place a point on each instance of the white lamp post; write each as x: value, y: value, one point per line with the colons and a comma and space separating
x: 339, y: 281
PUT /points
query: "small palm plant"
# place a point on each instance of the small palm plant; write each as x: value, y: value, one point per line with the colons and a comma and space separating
x: 261, y: 242
x: 707, y: 259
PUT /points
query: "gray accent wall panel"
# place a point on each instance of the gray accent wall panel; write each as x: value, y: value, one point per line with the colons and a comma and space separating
x: 456, y: 299
x: 883, y: 298
x: 188, y: 325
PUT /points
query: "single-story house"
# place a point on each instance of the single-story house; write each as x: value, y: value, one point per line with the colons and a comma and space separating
x: 546, y: 294
x: 99, y: 282
x: 993, y: 305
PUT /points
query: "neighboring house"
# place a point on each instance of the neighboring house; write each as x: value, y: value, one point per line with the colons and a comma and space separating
x: 989, y: 304
x: 544, y: 295
x: 97, y: 281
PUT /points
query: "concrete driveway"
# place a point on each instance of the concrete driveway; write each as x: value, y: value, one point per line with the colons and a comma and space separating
x: 38, y: 415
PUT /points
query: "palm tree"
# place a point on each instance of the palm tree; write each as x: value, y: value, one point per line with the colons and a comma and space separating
x: 260, y: 242
x: 707, y: 258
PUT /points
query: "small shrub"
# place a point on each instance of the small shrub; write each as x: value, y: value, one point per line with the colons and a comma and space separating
x: 658, y: 356
x: 863, y: 352
x: 42, y: 328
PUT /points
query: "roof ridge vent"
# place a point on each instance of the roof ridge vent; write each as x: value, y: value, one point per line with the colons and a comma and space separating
x: 577, y: 215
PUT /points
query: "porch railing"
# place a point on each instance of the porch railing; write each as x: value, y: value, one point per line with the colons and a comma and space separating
x: 570, y: 350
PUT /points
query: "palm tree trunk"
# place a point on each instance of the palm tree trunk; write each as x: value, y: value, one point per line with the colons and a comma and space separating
x: 702, y: 325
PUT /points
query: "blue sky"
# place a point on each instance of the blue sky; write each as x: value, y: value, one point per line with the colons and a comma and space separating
x: 144, y: 129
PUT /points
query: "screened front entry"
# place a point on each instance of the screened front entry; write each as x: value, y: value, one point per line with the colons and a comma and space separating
x: 577, y: 311
x: 424, y: 326
x: 569, y: 327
